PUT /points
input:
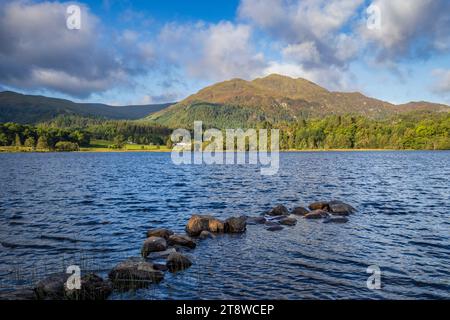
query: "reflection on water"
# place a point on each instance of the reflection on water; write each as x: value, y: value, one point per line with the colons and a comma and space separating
x: 92, y: 209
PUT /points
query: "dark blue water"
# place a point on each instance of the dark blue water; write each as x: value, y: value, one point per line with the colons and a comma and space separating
x: 92, y: 209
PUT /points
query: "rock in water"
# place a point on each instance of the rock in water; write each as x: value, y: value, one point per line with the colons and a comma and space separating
x: 52, y: 287
x: 335, y: 220
x: 134, y: 273
x: 160, y: 267
x: 317, y: 214
x: 153, y: 244
x: 319, y: 205
x: 271, y: 223
x: 206, y: 234
x: 275, y: 228
x: 199, y: 223
x: 159, y: 232
x: 279, y: 210
x: 181, y: 240
x: 275, y: 218
x: 93, y: 287
x: 256, y: 220
x: 161, y: 254
x: 300, y: 211
x: 177, y: 261
x: 236, y: 224
x: 288, y: 221
x: 340, y: 208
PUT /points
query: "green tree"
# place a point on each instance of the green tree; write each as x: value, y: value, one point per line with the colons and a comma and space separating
x: 3, y: 139
x: 30, y: 142
x: 42, y: 143
x: 66, y: 146
x: 169, y: 143
x: 17, y: 141
x: 119, y: 142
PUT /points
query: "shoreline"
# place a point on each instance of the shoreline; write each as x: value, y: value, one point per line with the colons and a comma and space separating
x: 106, y: 150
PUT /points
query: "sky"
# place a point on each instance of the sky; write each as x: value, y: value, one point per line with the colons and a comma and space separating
x: 140, y: 52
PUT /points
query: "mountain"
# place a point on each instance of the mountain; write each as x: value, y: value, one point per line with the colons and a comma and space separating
x: 275, y: 98
x: 20, y: 108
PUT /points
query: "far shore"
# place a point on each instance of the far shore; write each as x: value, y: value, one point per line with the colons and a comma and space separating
x: 165, y: 150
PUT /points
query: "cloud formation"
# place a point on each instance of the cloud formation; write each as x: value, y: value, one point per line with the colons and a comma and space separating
x: 311, y: 33
x: 410, y: 29
x: 38, y: 51
x: 211, y: 51
x: 441, y: 84
x: 314, y: 39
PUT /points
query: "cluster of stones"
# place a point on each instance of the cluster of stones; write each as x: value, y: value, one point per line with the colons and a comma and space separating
x: 328, y: 211
x: 139, y: 272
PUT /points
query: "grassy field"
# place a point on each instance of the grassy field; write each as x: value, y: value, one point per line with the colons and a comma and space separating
x: 104, y: 146
x: 97, y: 146
x: 15, y: 149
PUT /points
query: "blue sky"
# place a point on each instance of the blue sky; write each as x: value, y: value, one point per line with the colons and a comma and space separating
x: 136, y: 52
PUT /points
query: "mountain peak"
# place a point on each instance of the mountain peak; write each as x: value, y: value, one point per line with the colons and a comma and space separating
x: 292, y: 88
x: 277, y: 76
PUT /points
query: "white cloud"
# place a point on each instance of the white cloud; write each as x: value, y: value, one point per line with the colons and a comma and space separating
x: 332, y: 78
x: 441, y: 84
x: 39, y: 52
x: 211, y: 51
x: 410, y: 29
x: 297, y: 21
x: 302, y: 52
x: 312, y: 33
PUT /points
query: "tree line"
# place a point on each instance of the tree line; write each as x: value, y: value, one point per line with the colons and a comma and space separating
x: 69, y: 133
x: 421, y: 131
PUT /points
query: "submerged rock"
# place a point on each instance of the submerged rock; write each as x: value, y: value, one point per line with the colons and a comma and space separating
x: 300, y: 211
x: 177, y: 261
x: 319, y: 205
x: 153, y: 244
x: 275, y: 218
x: 335, y: 207
x: 288, y: 221
x: 52, y: 287
x: 275, y: 228
x: 336, y: 219
x: 256, y: 220
x: 271, y: 223
x: 199, y: 223
x: 93, y: 287
x: 181, y: 240
x: 340, y: 208
x: 161, y: 254
x: 236, y: 224
x: 279, y: 210
x: 317, y: 214
x: 206, y: 234
x: 159, y: 232
x: 134, y: 273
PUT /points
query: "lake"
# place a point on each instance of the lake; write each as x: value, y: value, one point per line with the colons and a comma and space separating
x: 93, y: 209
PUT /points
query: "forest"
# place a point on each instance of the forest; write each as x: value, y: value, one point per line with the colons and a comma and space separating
x: 416, y: 131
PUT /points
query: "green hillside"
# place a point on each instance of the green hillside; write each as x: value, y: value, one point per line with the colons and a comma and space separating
x: 16, y: 107
x: 275, y: 99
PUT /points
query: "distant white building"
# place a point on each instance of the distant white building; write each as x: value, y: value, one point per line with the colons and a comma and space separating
x: 182, y: 144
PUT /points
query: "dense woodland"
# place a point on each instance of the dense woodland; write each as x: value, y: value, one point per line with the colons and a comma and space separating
x: 80, y: 132
x: 409, y: 131
x: 429, y: 131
